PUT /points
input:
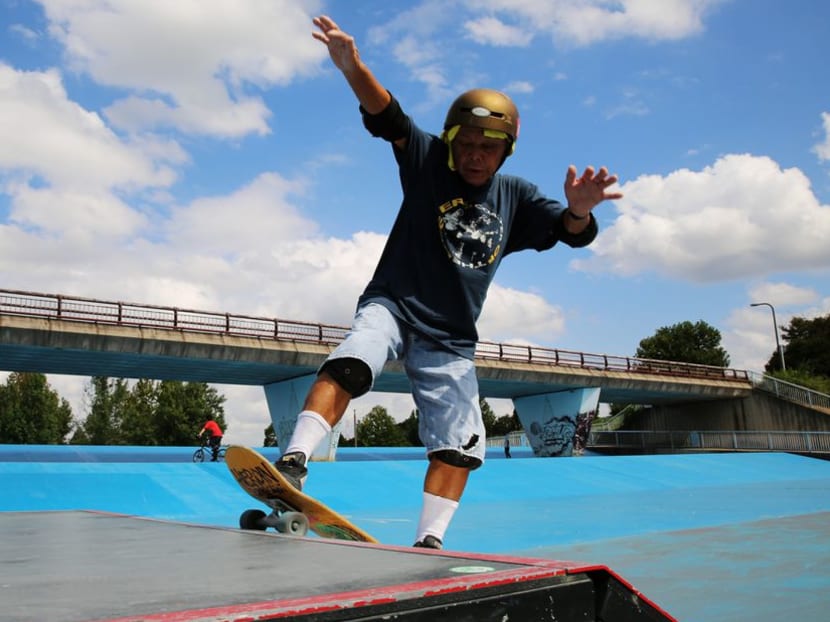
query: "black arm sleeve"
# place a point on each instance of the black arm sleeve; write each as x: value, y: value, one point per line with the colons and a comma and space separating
x: 390, y: 124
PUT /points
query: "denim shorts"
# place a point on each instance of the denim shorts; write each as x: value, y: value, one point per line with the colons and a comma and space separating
x: 444, y: 385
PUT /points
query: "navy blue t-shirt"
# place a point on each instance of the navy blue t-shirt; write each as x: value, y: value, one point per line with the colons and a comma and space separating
x: 449, y: 238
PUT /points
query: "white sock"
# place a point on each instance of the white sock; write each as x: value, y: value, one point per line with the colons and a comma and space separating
x: 436, y: 514
x: 311, y: 428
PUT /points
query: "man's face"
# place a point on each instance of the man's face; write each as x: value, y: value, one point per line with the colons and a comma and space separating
x: 477, y: 157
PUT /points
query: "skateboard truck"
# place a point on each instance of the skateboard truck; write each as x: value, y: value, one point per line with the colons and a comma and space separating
x: 282, y: 518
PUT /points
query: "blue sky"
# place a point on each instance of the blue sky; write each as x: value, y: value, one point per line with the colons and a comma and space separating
x: 206, y: 154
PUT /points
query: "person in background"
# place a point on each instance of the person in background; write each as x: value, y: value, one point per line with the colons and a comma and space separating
x: 215, y: 440
x: 457, y: 221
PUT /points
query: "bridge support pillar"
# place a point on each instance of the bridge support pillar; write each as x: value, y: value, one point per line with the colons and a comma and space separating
x: 285, y: 401
x: 557, y: 424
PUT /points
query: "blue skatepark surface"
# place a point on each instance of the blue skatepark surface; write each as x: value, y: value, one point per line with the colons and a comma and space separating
x: 714, y: 537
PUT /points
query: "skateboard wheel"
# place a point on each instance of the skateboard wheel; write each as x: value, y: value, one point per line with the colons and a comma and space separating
x: 292, y: 523
x: 253, y: 519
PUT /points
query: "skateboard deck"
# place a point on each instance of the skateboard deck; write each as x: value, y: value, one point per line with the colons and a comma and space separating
x: 260, y: 479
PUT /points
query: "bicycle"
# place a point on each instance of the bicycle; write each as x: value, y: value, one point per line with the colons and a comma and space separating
x: 205, y: 452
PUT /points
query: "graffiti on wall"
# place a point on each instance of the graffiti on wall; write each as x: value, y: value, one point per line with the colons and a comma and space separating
x: 558, y: 424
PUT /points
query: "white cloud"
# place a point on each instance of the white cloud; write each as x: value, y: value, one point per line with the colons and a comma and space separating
x: 509, y: 312
x: 822, y: 149
x: 202, y: 62
x: 520, y: 86
x: 421, y: 20
x: 492, y: 31
x: 25, y: 33
x: 782, y: 294
x: 748, y: 338
x: 213, y: 112
x: 743, y: 216
x: 259, y: 215
x: 589, y: 21
x: 48, y: 136
x: 631, y: 104
x: 319, y: 279
x: 82, y: 216
x: 426, y: 61
x: 72, y: 182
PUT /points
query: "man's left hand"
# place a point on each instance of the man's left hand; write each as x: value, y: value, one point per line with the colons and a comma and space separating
x: 586, y: 192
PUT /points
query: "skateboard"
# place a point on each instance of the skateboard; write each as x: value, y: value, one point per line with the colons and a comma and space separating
x: 292, y: 512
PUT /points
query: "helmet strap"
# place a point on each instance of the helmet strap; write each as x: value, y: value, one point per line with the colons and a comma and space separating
x: 448, y: 136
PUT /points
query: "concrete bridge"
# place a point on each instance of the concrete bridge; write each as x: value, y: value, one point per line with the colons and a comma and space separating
x: 69, y: 335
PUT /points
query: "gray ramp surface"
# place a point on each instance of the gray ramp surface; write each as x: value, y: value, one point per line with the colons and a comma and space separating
x: 76, y: 566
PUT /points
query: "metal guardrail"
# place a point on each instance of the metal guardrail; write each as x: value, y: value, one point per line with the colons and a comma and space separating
x: 517, y: 439
x: 170, y: 318
x: 794, y: 442
x: 72, y: 308
x: 790, y: 392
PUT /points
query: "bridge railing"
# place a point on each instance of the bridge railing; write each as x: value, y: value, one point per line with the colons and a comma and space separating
x: 790, y: 392
x: 604, y: 362
x: 170, y: 318
x: 517, y: 439
x: 789, y: 441
x: 79, y: 309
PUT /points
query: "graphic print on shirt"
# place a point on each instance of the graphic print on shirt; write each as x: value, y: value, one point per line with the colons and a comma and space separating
x: 471, y: 233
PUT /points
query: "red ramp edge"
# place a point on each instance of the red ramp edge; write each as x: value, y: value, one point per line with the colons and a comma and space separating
x: 615, y: 599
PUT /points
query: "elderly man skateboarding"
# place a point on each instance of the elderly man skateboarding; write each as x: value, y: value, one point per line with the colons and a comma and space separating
x: 458, y: 219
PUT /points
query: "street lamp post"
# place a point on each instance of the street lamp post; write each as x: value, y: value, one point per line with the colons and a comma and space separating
x: 775, y: 328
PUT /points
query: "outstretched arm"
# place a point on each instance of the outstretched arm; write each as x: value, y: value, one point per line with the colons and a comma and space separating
x: 585, y: 193
x: 343, y: 51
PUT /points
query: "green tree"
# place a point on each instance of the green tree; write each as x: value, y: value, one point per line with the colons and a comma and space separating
x: 182, y: 409
x: 137, y: 419
x: 807, y: 347
x: 506, y: 424
x: 687, y: 343
x: 378, y: 429
x: 487, y: 415
x: 409, y: 429
x: 79, y: 436
x: 107, y: 398
x: 803, y: 379
x: 31, y: 412
x: 151, y: 413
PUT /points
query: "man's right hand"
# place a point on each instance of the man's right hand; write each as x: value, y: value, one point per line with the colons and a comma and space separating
x: 369, y: 92
x: 341, y: 45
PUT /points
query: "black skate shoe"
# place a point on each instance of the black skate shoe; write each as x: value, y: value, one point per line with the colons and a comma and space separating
x: 292, y: 467
x: 429, y: 542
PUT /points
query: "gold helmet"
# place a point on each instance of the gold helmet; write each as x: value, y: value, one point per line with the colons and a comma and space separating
x: 487, y: 109
x: 492, y: 111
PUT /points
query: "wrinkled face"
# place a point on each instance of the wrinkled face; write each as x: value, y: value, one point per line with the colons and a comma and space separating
x: 477, y: 157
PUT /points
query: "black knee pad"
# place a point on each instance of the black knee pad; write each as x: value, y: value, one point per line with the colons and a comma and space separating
x: 353, y: 375
x: 456, y: 459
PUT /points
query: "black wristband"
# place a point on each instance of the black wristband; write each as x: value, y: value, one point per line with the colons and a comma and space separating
x: 575, y: 217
